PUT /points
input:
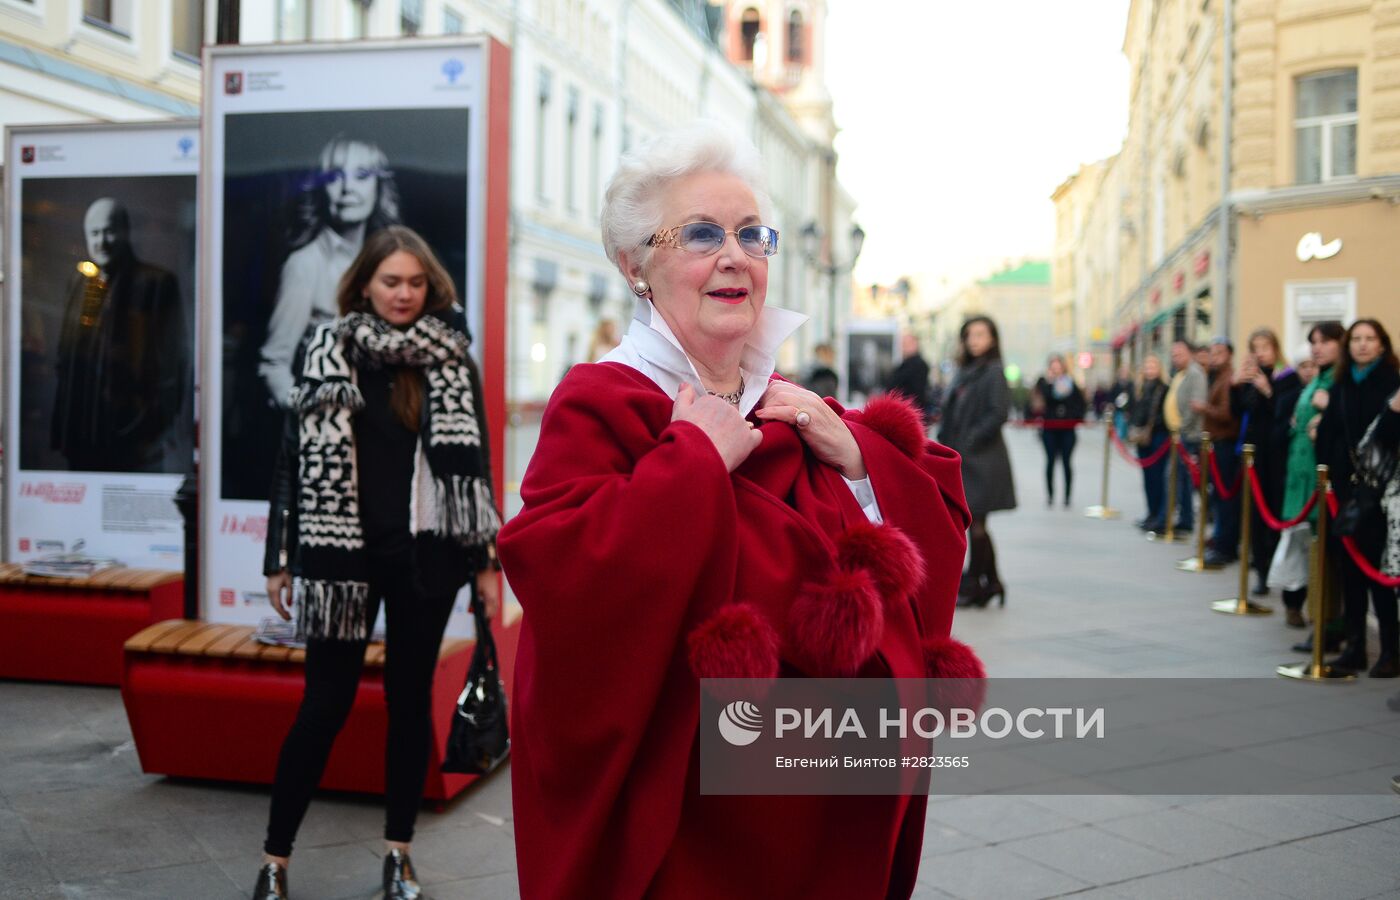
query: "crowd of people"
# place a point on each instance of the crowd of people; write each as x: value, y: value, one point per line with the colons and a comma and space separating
x: 1337, y: 405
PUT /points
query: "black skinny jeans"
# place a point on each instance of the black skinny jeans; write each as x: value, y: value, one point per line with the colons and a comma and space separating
x: 1359, y: 591
x: 1059, y: 445
x: 414, y: 625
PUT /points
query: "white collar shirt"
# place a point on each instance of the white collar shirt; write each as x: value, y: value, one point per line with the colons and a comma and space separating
x: 650, y: 347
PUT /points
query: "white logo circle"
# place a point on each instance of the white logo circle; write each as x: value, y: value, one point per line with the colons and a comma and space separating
x: 740, y: 723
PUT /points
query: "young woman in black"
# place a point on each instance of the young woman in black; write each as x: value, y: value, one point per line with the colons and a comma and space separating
x: 1368, y: 375
x: 1060, y: 405
x: 382, y: 492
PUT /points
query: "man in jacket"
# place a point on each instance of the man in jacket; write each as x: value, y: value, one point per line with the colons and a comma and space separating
x: 1188, y: 387
x: 123, y: 356
x: 910, y: 377
x: 1218, y: 419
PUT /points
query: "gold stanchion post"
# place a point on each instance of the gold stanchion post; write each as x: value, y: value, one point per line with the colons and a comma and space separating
x: 1240, y: 605
x: 1103, y: 510
x: 1316, y: 669
x: 1198, y: 562
x: 1169, y: 536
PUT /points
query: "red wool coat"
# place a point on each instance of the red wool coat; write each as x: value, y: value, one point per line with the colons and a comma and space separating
x: 642, y: 565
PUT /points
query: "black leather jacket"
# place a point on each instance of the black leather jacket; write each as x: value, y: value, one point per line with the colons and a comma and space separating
x: 440, y: 566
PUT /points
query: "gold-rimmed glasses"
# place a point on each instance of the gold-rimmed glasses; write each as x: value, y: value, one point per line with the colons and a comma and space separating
x: 705, y: 239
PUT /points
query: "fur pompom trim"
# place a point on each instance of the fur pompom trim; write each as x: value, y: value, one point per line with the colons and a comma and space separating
x: 896, y: 419
x: 948, y: 657
x: 833, y: 628
x: 887, y: 554
x: 962, y: 680
x: 736, y: 642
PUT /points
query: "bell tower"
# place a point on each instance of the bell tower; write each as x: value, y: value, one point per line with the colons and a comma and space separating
x: 782, y: 45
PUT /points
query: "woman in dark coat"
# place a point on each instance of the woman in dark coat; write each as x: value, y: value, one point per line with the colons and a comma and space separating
x: 1266, y: 392
x: 1060, y: 404
x: 1367, y: 376
x: 974, y: 410
x: 1146, y: 414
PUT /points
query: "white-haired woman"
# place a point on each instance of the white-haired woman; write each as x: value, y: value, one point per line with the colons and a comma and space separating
x: 687, y: 514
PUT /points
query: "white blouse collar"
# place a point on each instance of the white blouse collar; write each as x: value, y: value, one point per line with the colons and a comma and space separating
x: 652, y: 348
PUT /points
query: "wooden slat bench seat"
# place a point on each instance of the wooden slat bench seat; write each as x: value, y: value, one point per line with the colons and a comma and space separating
x: 208, y: 701
x: 72, y: 629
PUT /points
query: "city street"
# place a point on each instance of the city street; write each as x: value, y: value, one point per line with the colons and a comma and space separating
x: 1086, y: 598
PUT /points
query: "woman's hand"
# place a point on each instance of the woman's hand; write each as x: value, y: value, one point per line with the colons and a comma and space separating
x: 824, y: 432
x: 733, y: 438
x: 1320, y: 399
x: 279, y: 594
x: 488, y: 591
x: 1395, y: 402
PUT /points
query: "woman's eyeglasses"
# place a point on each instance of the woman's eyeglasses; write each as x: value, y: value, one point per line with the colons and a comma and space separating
x: 705, y: 238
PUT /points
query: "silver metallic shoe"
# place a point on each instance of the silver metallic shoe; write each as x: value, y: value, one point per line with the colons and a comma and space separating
x: 272, y: 883
x: 400, y: 881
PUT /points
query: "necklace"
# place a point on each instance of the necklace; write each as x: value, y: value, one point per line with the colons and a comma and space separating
x: 730, y: 397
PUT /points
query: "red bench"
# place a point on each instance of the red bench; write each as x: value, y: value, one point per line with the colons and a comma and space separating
x: 207, y: 701
x: 72, y: 629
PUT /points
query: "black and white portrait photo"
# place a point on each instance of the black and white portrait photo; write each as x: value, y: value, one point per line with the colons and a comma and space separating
x: 106, y: 324
x: 869, y: 359
x: 302, y: 191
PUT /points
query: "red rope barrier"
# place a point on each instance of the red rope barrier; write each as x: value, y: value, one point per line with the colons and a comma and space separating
x: 1145, y: 462
x: 1357, y: 557
x: 1262, y: 506
x: 1053, y: 424
x: 1191, y: 467
x: 1215, y: 476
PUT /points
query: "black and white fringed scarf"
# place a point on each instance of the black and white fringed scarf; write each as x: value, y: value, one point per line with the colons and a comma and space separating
x: 451, y: 495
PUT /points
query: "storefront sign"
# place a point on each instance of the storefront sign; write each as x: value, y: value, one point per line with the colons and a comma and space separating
x: 1310, y: 246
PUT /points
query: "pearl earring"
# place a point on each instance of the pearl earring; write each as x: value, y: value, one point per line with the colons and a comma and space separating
x: 641, y: 288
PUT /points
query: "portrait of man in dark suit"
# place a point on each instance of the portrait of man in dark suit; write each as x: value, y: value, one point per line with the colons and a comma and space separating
x: 122, y: 367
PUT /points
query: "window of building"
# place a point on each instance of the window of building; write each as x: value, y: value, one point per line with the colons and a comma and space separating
x: 410, y: 16
x: 109, y: 15
x: 571, y: 152
x: 749, y: 27
x: 595, y: 163
x: 794, y: 37
x: 293, y: 20
x: 186, y: 28
x: 1159, y: 219
x: 542, y: 135
x: 1324, y: 127
x: 452, y: 22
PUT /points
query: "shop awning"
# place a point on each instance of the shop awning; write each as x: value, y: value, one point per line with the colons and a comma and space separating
x: 1124, y: 335
x: 1165, y: 314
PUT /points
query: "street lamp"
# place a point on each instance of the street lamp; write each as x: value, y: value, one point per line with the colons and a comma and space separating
x: 811, y: 244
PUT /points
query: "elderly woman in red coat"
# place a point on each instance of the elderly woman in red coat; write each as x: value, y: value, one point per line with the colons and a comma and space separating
x: 688, y: 514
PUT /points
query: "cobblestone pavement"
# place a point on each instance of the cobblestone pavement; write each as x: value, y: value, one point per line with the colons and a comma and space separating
x: 1086, y: 598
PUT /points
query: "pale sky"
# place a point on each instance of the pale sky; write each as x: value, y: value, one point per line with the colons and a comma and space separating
x: 959, y: 119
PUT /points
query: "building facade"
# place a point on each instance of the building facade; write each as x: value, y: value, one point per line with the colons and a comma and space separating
x: 1267, y: 198
x: 112, y: 62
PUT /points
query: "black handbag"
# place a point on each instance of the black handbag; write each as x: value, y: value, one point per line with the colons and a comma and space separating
x: 479, y: 739
x: 1371, y: 468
